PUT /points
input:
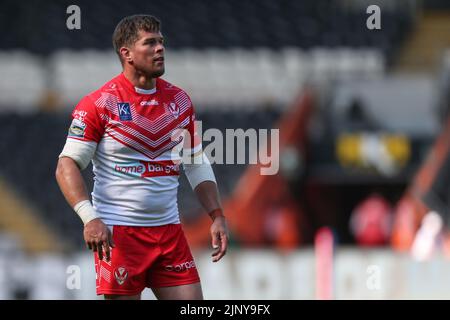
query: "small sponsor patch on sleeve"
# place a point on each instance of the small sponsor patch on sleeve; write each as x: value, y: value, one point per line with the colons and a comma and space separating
x: 77, y: 128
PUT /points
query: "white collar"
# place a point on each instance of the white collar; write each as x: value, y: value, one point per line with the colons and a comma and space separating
x: 145, y: 91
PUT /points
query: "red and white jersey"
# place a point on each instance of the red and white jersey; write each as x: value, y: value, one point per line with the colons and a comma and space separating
x: 136, y: 172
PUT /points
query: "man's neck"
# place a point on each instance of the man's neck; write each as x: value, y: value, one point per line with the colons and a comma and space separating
x: 139, y: 80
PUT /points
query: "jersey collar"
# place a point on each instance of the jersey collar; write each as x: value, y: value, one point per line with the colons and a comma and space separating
x: 145, y: 91
x: 134, y: 89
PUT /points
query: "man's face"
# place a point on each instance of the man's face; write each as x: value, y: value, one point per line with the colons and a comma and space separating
x: 147, y: 54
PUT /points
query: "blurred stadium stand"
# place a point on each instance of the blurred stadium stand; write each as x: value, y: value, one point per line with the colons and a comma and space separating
x: 270, y: 51
x: 243, y: 40
x: 358, y: 110
x: 35, y: 140
x: 235, y: 23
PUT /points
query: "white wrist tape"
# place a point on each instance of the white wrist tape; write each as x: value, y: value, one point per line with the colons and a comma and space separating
x: 85, y: 210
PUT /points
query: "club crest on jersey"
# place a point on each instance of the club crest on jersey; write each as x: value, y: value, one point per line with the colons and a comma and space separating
x: 121, y: 274
x: 124, y: 111
x: 174, y: 109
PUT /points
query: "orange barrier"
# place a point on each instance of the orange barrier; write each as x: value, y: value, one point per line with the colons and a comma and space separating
x: 256, y: 195
x: 411, y: 208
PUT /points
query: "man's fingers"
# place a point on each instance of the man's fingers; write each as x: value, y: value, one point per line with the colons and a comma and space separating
x: 215, y: 243
x: 110, y: 240
x: 222, y: 249
x: 100, y: 241
x: 224, y: 243
x: 216, y: 251
x: 107, y: 251
x: 215, y: 240
x: 100, y: 249
x: 109, y: 245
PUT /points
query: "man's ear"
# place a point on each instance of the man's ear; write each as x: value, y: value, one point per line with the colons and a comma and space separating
x: 126, y: 55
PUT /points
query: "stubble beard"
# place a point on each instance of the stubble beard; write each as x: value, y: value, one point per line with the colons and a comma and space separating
x: 152, y: 73
x: 159, y: 73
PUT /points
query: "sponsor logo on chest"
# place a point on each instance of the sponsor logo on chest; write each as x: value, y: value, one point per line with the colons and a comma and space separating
x: 147, y: 169
x: 124, y: 110
x: 149, y: 103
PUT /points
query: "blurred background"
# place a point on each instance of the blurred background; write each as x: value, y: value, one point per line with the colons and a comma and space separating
x: 364, y: 142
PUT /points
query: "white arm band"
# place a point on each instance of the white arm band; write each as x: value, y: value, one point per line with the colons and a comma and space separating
x: 199, y: 172
x: 81, y: 152
x: 85, y: 210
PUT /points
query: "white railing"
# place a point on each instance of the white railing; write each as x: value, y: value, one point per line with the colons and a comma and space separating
x: 246, y: 274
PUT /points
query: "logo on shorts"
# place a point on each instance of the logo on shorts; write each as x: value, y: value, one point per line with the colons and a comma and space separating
x: 181, y: 267
x: 124, y: 111
x: 121, y: 274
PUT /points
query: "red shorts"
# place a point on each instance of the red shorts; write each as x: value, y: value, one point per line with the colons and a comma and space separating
x: 145, y: 257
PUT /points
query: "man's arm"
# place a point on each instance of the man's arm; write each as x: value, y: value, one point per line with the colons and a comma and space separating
x: 71, y: 183
x: 208, y: 196
x: 203, y: 182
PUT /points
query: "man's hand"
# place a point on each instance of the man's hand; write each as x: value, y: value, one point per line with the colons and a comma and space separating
x: 98, y: 237
x: 219, y: 235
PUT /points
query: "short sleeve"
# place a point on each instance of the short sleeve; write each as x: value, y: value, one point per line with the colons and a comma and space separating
x: 195, y: 142
x: 86, y: 122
